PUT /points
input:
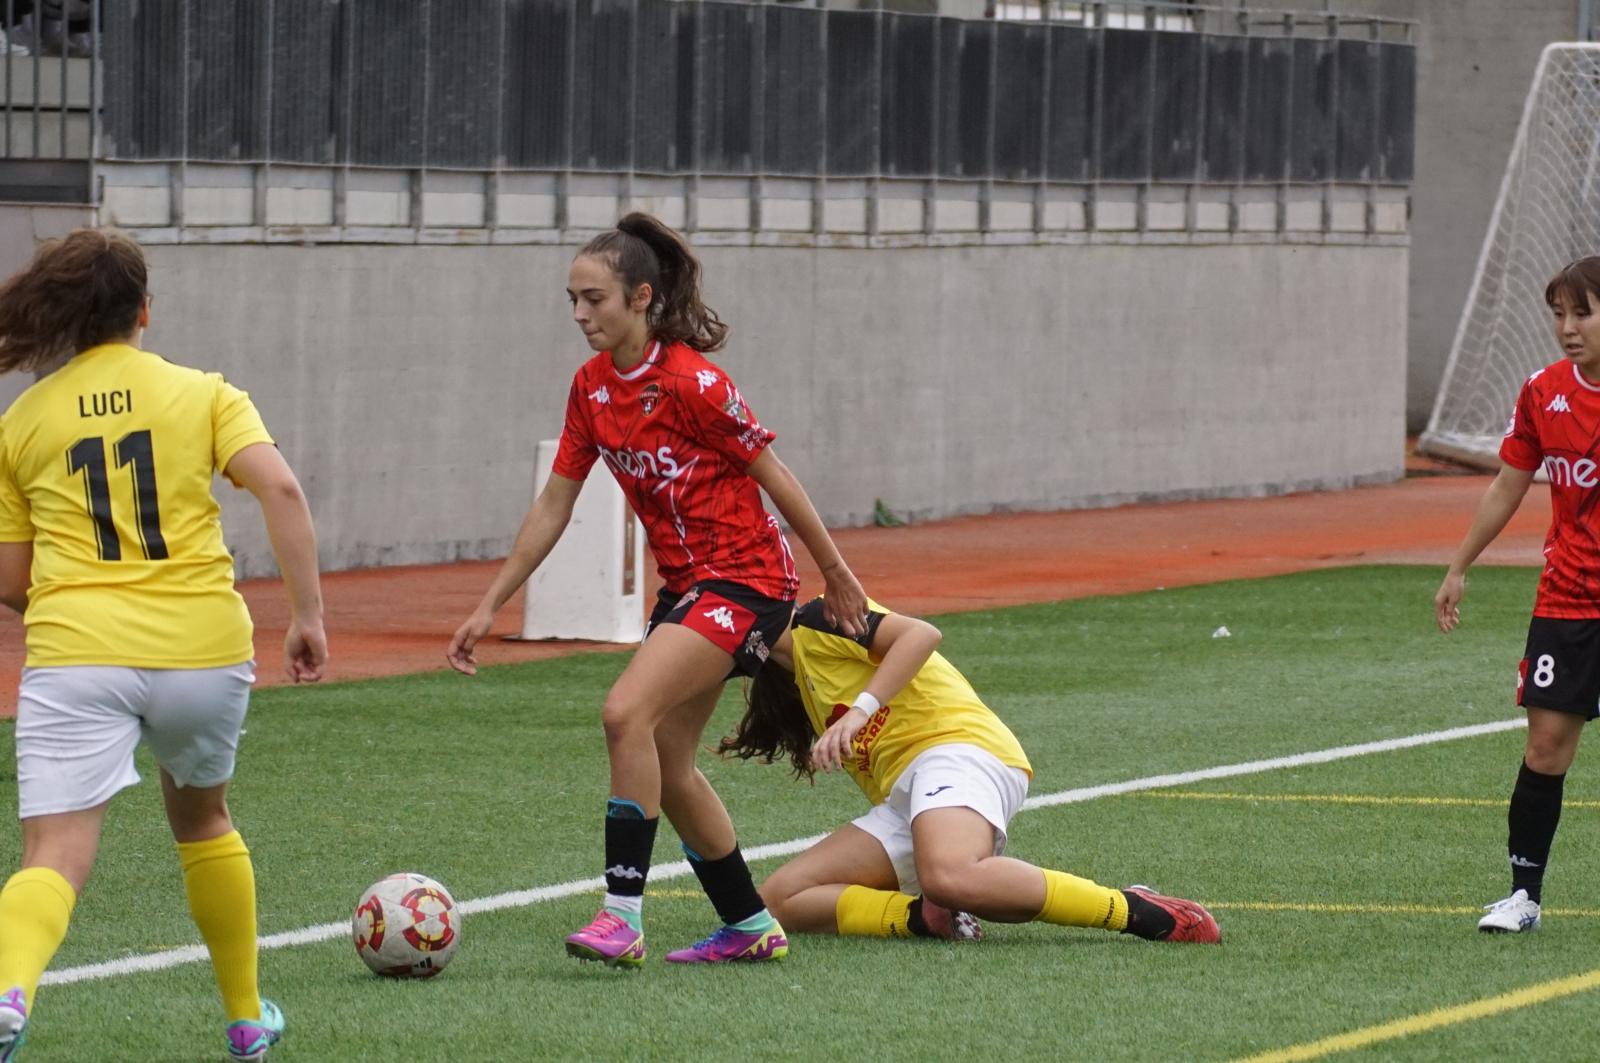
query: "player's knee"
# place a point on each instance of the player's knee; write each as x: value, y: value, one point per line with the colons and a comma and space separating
x: 624, y: 723
x: 946, y: 884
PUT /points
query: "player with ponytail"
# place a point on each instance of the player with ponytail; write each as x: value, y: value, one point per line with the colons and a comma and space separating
x: 692, y: 460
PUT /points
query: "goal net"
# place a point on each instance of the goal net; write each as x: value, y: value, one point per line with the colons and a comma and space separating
x: 1547, y: 214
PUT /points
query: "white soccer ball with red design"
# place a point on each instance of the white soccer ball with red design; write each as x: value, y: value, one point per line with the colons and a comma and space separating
x: 406, y: 926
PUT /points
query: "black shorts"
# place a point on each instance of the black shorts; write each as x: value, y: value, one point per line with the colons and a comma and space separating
x: 743, y: 622
x: 1561, y: 667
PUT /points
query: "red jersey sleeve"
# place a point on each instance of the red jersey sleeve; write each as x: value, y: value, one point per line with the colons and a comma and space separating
x: 576, y: 454
x: 724, y: 422
x: 1520, y: 448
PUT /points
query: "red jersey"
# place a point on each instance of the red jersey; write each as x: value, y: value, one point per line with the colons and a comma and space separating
x: 678, y: 437
x: 1556, y: 425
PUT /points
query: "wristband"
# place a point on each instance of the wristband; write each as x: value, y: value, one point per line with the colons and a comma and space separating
x: 867, y: 704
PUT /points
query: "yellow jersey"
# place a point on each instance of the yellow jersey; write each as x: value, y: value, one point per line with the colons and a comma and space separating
x: 106, y: 467
x: 936, y: 708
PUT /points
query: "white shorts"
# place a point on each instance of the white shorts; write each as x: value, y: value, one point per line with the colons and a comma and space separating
x: 77, y: 728
x: 948, y: 776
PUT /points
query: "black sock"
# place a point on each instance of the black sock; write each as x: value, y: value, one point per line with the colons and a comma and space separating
x: 1535, y: 810
x: 629, y: 841
x: 914, y: 921
x: 727, y: 882
x: 1146, y: 920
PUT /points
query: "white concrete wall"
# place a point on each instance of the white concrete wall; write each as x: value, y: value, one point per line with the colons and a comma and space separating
x: 409, y: 385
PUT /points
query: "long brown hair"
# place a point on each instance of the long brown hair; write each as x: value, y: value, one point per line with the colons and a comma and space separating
x: 1575, y: 281
x: 775, y: 725
x: 642, y: 250
x: 79, y: 291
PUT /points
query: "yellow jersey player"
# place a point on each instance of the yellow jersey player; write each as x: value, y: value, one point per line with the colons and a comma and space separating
x: 110, y: 546
x: 944, y: 776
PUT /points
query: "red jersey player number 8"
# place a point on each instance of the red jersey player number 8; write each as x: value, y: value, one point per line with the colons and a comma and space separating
x: 692, y: 460
x: 1555, y: 426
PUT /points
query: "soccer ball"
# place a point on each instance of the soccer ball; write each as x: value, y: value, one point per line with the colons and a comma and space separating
x: 406, y: 926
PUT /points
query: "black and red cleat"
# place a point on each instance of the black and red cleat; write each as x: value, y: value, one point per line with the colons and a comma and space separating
x: 1190, y: 921
x: 949, y: 925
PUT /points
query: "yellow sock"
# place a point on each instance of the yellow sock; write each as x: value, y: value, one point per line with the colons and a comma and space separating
x: 863, y: 912
x: 221, y: 886
x: 1073, y: 901
x: 35, y: 907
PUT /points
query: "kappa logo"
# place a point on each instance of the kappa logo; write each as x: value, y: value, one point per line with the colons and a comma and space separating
x: 1558, y: 405
x: 624, y: 872
x: 705, y: 378
x: 600, y: 395
x: 722, y: 616
x: 1522, y: 861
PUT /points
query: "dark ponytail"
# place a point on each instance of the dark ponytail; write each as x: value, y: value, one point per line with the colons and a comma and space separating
x: 78, y: 292
x: 642, y: 250
x: 775, y: 725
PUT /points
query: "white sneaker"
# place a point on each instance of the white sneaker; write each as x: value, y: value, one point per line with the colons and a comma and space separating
x: 1514, y: 915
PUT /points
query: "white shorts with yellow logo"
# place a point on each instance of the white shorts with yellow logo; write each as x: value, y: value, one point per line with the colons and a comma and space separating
x: 77, y: 728
x: 955, y: 775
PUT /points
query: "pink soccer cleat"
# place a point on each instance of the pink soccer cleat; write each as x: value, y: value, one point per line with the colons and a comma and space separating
x: 728, y: 945
x: 610, y: 940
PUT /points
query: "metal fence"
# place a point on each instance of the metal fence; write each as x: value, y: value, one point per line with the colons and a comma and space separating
x: 1081, y: 93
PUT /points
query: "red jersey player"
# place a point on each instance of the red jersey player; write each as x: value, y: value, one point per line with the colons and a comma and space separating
x: 1555, y: 426
x: 692, y: 460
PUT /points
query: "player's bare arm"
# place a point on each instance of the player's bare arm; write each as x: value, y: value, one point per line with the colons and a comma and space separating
x: 844, y: 603
x: 547, y: 518
x: 261, y: 469
x: 1499, y: 504
x: 16, y: 566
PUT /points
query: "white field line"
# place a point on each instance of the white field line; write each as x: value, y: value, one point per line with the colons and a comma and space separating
x: 157, y: 961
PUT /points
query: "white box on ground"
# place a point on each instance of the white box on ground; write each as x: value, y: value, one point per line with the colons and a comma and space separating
x: 592, y: 584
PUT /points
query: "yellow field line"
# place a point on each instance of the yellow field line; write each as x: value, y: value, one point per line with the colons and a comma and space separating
x: 1345, y: 799
x: 1431, y: 1020
x: 1376, y: 909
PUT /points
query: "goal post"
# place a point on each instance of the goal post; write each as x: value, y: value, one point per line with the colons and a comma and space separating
x: 591, y: 586
x: 1546, y: 215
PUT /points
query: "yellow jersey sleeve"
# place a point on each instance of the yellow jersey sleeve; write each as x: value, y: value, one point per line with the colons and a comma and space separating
x: 16, y: 521
x: 235, y: 423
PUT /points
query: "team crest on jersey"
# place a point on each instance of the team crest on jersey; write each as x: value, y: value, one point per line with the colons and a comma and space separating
x: 734, y: 406
x: 650, y: 398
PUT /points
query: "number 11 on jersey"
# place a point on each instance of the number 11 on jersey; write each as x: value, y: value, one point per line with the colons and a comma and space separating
x: 88, y: 455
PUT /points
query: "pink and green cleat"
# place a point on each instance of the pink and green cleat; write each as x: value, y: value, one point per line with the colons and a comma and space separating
x: 610, y: 940
x: 249, y: 1039
x: 13, y: 1021
x: 728, y: 945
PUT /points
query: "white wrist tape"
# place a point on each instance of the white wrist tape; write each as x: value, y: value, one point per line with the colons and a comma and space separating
x: 866, y: 703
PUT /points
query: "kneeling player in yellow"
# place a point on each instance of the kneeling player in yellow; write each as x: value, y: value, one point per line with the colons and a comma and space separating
x: 944, y: 776
x: 111, y: 547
